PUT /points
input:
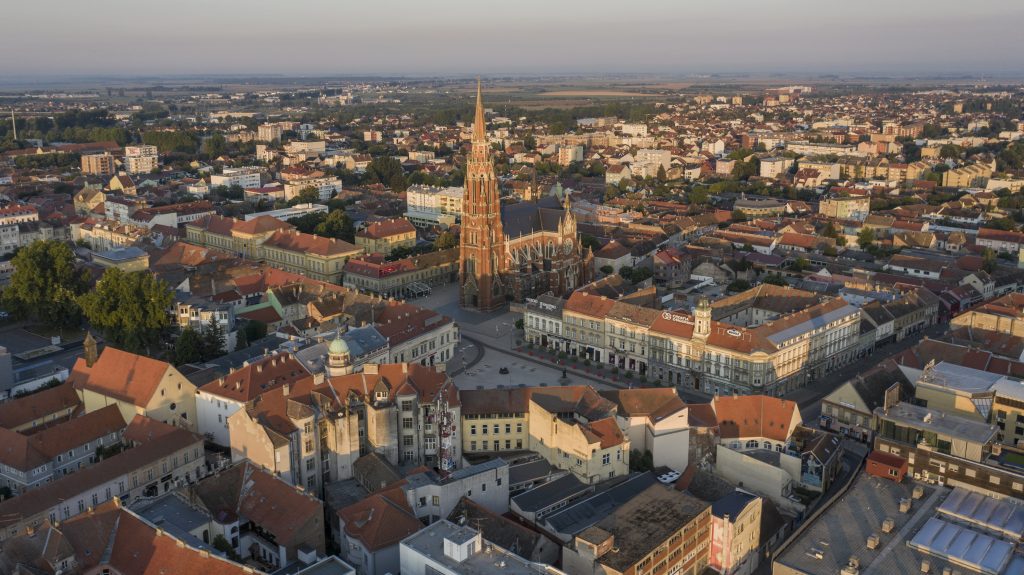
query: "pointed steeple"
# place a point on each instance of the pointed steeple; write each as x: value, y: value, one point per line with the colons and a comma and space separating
x: 479, y: 123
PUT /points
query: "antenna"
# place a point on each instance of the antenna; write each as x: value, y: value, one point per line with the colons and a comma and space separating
x: 14, y: 125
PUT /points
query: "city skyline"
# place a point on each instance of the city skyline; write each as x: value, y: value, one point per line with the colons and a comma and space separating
x: 455, y: 38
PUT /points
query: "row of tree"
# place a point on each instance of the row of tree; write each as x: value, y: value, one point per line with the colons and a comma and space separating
x: 129, y: 308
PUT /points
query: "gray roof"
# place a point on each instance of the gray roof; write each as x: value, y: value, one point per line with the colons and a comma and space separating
x: 811, y: 324
x: 945, y: 424
x: 550, y: 493
x: 578, y: 517
x: 732, y: 504
x: 524, y: 218
x: 531, y: 471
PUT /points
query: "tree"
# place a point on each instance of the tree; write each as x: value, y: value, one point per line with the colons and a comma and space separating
x: 738, y: 286
x: 45, y: 284
x: 989, y: 260
x: 607, y: 270
x: 337, y: 225
x: 215, y: 146
x: 220, y: 543
x: 662, y: 175
x: 254, y: 330
x: 445, y: 241
x: 775, y: 279
x: 307, y: 195
x: 866, y: 238
x: 188, y: 348
x: 130, y: 308
x: 213, y: 340
x: 739, y: 216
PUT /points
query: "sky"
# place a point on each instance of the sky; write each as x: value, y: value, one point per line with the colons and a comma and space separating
x: 528, y: 37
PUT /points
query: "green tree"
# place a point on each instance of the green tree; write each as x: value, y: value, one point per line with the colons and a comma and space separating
x: 215, y: 146
x: 130, y: 308
x: 307, y: 195
x: 866, y: 238
x: 607, y: 270
x: 738, y: 286
x: 213, y: 340
x: 739, y: 216
x: 445, y: 241
x: 989, y: 260
x: 254, y: 330
x: 188, y: 348
x: 45, y: 284
x: 775, y: 279
x: 662, y: 175
x: 337, y: 225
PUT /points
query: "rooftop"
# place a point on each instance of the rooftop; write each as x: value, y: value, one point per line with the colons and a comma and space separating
x: 938, y: 422
x: 434, y: 542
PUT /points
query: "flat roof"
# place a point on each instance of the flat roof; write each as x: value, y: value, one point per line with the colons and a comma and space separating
x: 430, y: 542
x: 938, y: 422
x: 958, y: 377
x: 842, y: 530
x: 578, y: 517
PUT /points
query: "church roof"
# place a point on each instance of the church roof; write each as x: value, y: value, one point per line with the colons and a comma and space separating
x: 524, y: 218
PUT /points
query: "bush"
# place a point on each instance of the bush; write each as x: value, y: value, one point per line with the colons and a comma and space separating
x: 586, y: 362
x: 615, y: 369
x: 519, y: 323
x: 529, y: 345
x: 629, y: 375
x: 561, y: 355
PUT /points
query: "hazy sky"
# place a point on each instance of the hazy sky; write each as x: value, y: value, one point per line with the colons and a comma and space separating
x: 902, y: 37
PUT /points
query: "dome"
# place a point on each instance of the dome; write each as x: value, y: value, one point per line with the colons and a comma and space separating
x: 338, y: 347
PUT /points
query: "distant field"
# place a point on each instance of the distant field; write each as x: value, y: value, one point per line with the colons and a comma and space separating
x: 594, y: 94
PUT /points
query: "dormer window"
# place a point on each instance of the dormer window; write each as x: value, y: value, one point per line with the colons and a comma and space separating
x: 381, y: 396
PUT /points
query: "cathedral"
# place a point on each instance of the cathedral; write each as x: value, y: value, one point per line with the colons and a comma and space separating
x: 514, y: 251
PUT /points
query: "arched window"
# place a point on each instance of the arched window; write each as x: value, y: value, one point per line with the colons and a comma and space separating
x: 751, y: 444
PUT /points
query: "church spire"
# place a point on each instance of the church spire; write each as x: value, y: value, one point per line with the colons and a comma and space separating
x: 479, y: 123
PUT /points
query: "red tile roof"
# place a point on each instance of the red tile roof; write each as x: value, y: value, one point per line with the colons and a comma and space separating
x: 251, y: 380
x: 756, y: 416
x: 122, y: 375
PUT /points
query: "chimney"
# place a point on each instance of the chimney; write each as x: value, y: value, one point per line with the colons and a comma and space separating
x: 285, y: 389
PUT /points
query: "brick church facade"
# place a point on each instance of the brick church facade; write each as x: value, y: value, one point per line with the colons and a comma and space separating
x: 515, y: 251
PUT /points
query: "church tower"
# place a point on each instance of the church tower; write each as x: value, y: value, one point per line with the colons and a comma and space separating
x: 481, y: 245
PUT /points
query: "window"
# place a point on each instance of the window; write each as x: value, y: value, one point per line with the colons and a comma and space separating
x: 435, y: 501
x: 472, y: 430
x: 894, y: 472
x: 499, y: 482
x: 483, y: 429
x: 310, y: 464
x: 519, y: 428
x: 483, y: 488
x: 508, y: 428
x: 606, y: 459
x: 407, y: 440
x: 406, y: 406
x: 406, y: 423
x: 486, y: 443
x: 472, y: 446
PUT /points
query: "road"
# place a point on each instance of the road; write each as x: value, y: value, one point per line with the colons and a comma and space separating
x: 809, y: 398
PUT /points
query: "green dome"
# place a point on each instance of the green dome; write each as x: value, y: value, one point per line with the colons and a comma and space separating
x: 338, y: 347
